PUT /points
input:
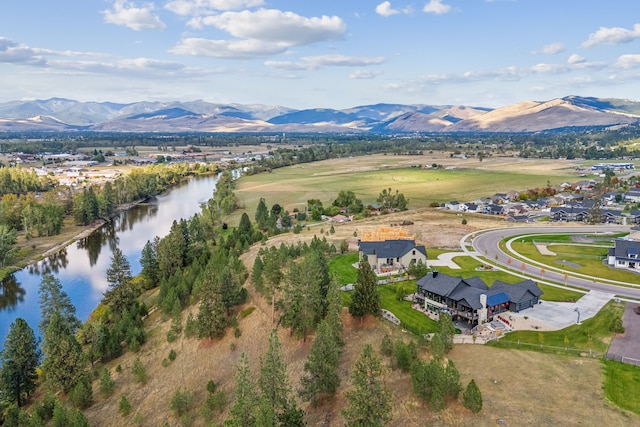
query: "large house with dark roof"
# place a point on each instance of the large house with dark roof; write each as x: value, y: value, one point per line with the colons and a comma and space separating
x: 471, y: 299
x: 388, y: 255
x: 625, y: 254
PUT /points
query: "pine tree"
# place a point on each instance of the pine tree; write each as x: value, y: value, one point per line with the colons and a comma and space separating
x: 447, y: 331
x: 53, y: 299
x: 334, y: 310
x: 211, y: 319
x: 246, y: 399
x: 365, y: 299
x: 369, y: 403
x: 262, y: 214
x: 321, y: 368
x: 452, y: 386
x: 274, y: 385
x: 64, y: 361
x: 472, y: 399
x: 18, y: 363
x: 149, y: 262
x: 120, y: 293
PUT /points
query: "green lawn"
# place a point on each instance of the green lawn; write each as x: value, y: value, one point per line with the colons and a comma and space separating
x: 622, y: 385
x: 588, y: 257
x: 593, y: 334
x: 411, y: 319
x: 342, y: 267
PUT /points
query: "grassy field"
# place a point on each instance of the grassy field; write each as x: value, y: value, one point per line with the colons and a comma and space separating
x: 589, y: 258
x: 622, y: 384
x: 593, y: 334
x: 367, y: 176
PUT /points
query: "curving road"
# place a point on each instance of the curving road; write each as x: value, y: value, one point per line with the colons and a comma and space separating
x: 486, y: 247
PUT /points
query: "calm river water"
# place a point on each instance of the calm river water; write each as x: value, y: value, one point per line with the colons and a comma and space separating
x: 81, y: 267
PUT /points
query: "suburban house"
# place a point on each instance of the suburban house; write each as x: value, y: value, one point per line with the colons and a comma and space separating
x: 471, y: 300
x: 634, y: 216
x: 389, y: 255
x: 625, y: 254
x: 633, y: 195
x: 569, y: 213
x: 493, y: 209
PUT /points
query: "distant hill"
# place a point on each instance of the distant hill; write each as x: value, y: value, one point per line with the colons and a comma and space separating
x: 59, y: 114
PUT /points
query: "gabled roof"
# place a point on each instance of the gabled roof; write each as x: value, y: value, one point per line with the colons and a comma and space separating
x: 391, y: 248
x: 476, y: 282
x: 438, y: 283
x: 624, y: 248
x: 518, y: 291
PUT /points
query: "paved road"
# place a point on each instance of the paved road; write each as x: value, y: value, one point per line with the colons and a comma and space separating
x: 486, y: 244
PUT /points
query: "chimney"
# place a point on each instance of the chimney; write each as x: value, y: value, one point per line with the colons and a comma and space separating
x: 435, y: 273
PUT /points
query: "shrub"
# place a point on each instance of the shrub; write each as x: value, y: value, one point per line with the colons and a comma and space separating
x: 616, y: 326
x: 211, y: 386
x: 172, y: 355
x: 82, y: 393
x: 181, y: 402
x: 124, y: 406
x: 247, y: 311
x: 139, y: 371
x: 105, y: 382
x: 472, y: 399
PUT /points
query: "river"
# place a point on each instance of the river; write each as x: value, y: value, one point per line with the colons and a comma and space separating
x: 81, y: 267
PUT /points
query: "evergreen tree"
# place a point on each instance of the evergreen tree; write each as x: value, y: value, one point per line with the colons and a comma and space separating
x: 53, y: 299
x: 8, y: 239
x: 246, y: 399
x: 321, y: 368
x: 82, y: 393
x: 64, y: 361
x: 262, y: 215
x: 452, y: 386
x: 472, y: 398
x: 302, y: 301
x: 149, y: 262
x: 18, y: 363
x: 274, y: 383
x: 437, y: 347
x: 365, y: 299
x: 334, y: 310
x: 447, y: 331
x: 211, y: 319
x: 369, y: 403
x: 245, y: 228
x: 120, y: 293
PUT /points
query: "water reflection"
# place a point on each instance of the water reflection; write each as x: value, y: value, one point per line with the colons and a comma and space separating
x: 54, y: 263
x: 11, y: 293
x: 81, y: 268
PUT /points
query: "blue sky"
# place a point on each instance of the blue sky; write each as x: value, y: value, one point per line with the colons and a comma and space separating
x: 323, y: 53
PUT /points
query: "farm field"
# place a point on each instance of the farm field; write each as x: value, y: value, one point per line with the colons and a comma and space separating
x: 367, y: 176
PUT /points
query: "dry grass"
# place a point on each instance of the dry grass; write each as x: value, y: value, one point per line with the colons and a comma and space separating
x: 522, y: 388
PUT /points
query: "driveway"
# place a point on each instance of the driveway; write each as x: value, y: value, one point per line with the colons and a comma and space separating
x: 559, y: 315
x: 626, y: 348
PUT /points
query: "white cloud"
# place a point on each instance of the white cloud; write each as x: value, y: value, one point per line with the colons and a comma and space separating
x: 436, y: 7
x: 629, y: 61
x: 576, y: 59
x: 277, y: 26
x: 612, y: 36
x: 228, y: 49
x: 260, y: 33
x: 137, y: 18
x: 364, y: 74
x: 385, y: 9
x: 315, y: 62
x: 552, y: 49
x: 198, y: 7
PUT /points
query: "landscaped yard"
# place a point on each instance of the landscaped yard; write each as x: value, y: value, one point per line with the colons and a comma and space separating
x: 569, y: 257
x: 592, y: 334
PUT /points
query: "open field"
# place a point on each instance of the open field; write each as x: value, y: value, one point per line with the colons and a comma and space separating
x: 367, y: 176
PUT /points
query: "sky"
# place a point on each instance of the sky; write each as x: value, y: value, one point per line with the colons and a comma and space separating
x: 322, y: 53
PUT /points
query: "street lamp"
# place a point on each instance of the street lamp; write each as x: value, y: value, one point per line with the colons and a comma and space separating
x: 577, y: 311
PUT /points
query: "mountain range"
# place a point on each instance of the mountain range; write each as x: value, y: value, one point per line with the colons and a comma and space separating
x: 60, y: 115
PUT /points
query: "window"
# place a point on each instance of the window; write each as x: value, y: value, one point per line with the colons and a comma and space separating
x: 414, y: 252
